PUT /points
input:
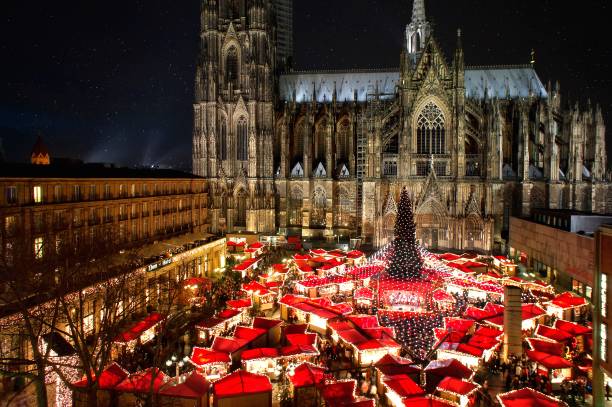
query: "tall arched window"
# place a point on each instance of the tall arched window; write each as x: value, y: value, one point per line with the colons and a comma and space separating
x: 231, y: 66
x: 320, y: 141
x: 298, y: 141
x: 416, y: 42
x: 319, y: 202
x: 242, y: 152
x: 431, y: 133
x: 240, y: 205
x: 222, y: 144
x: 295, y: 207
x: 345, y: 208
x: 343, y: 141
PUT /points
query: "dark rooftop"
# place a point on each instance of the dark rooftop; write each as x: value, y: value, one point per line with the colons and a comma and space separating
x: 77, y: 169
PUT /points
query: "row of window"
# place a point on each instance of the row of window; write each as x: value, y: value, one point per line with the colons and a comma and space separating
x: 95, y: 192
x: 242, y: 150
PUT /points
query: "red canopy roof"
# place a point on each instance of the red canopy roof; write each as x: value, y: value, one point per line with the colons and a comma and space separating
x: 363, y: 293
x: 266, y: 323
x: 457, y: 386
x: 355, y: 254
x: 256, y: 288
x: 341, y: 390
x: 572, y: 328
x: 260, y: 353
x: 228, y: 313
x: 245, y: 265
x: 391, y: 365
x: 195, y: 386
x: 298, y: 350
x: 228, y: 345
x: 301, y: 339
x: 552, y: 333
x: 321, y: 282
x: 241, y: 383
x: 240, y: 303
x: 296, y: 329
x: 204, y: 282
x: 458, y: 324
x: 203, y: 356
x: 448, y: 256
x: 364, y: 321
x: 540, y: 345
x: 427, y: 401
x: 137, y: 329
x: 528, y: 398
x: 548, y: 360
x: 143, y: 382
x: 442, y: 296
x: 280, y: 268
x: 109, y: 378
x: 568, y: 300
x: 488, y: 331
x: 469, y: 349
x: 448, y: 367
x: 256, y: 245
x: 404, y: 386
x: 249, y: 334
x: 307, y: 374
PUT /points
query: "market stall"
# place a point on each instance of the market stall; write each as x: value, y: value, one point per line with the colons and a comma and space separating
x: 325, y: 286
x: 216, y: 326
x: 528, y: 397
x: 262, y: 296
x: 342, y: 393
x: 106, y: 395
x: 242, y: 389
x: 247, y: 266
x: 400, y: 387
x: 549, y: 360
x: 303, y: 381
x: 437, y: 370
x: 583, y: 334
x: 261, y: 361
x: 363, y: 297
x: 141, y: 331
x: 316, y: 312
x: 189, y: 390
x: 567, y: 306
x: 138, y: 385
x: 458, y: 391
x: 211, y: 363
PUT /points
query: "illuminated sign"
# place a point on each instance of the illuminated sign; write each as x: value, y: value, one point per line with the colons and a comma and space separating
x: 159, y: 264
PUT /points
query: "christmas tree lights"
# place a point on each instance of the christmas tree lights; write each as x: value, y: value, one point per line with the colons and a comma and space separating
x: 405, y: 261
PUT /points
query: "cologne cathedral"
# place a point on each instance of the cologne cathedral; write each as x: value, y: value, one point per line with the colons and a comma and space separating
x: 324, y: 154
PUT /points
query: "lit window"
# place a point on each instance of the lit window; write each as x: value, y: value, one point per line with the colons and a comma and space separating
x: 77, y: 193
x: 604, y: 295
x: 11, y: 195
x: 38, y: 248
x: 38, y: 194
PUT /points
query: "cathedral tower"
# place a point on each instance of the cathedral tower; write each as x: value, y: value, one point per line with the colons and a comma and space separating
x: 233, y: 112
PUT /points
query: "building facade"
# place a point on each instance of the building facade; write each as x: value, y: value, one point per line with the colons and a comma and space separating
x: 326, y: 153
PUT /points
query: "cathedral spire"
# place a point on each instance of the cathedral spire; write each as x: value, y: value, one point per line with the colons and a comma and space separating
x: 418, y: 31
x: 418, y: 11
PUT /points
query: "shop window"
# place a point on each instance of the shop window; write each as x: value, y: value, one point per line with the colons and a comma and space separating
x: 604, y: 295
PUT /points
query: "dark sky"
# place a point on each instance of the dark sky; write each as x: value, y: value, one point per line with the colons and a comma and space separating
x: 112, y: 80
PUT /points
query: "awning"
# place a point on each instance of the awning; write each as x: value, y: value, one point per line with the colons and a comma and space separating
x: 457, y: 386
x: 549, y: 361
x: 404, y: 386
x: 572, y: 328
x: 195, y: 386
x: 528, y: 397
x: 448, y: 367
x: 260, y: 353
x: 204, y: 356
x: 137, y: 329
x: 307, y: 374
x: 143, y: 382
x: 553, y: 333
x: 240, y: 383
x: 109, y: 378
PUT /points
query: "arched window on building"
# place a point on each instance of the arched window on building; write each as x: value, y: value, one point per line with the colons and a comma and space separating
x: 298, y: 142
x: 416, y: 42
x: 242, y: 152
x: 231, y: 67
x: 320, y: 133
x: 240, y: 204
x: 295, y: 207
x: 342, y: 140
x: 344, y: 208
x: 222, y: 144
x: 431, y: 133
x: 319, y: 202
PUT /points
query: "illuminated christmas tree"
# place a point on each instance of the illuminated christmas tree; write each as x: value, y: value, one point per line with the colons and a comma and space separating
x: 405, y: 262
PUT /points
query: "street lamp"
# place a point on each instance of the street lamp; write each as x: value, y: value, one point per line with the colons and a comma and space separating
x: 177, y: 363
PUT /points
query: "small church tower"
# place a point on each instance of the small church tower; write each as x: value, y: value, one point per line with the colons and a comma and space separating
x: 40, y: 154
x: 418, y: 30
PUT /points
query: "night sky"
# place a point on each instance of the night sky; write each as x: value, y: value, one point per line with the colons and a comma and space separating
x: 112, y: 80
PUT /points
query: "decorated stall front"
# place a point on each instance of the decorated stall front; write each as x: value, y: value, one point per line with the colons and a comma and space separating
x: 342, y: 393
x: 189, y: 390
x: 458, y: 391
x: 219, y: 325
x: 437, y: 370
x: 211, y: 363
x: 528, y: 397
x: 106, y: 395
x: 567, y: 306
x: 393, y: 365
x: 399, y: 388
x: 246, y: 267
x: 325, y: 286
x: 303, y: 381
x: 139, y: 386
x: 582, y: 334
x: 142, y: 331
x: 548, y: 358
x: 316, y: 312
x: 242, y: 389
x: 262, y: 296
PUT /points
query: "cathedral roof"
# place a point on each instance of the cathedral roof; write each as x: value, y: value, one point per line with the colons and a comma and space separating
x: 503, y: 82
x: 499, y: 81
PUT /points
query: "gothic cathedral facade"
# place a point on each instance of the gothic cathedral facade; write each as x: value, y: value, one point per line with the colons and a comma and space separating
x: 326, y: 153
